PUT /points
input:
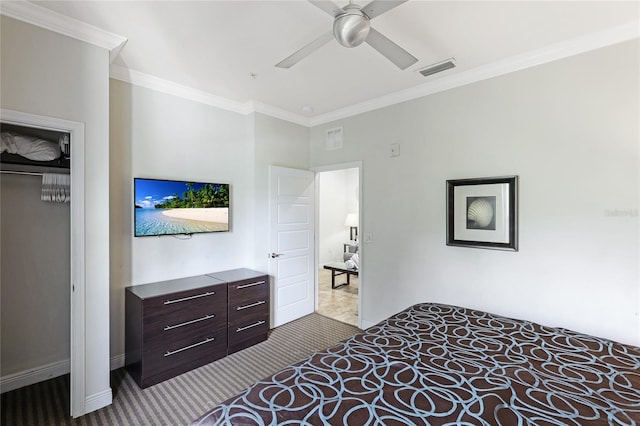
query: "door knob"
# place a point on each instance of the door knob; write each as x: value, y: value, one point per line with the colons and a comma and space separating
x: 274, y: 255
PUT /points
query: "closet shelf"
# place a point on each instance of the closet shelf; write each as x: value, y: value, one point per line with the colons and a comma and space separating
x: 31, y: 169
x: 39, y: 145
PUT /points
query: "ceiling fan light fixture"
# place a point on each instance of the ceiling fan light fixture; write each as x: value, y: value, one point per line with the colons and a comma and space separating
x: 351, y: 28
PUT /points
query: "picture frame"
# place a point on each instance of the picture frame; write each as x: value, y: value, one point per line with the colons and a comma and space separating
x: 483, y: 213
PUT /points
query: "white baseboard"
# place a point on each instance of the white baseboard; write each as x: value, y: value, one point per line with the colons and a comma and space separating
x: 34, y: 375
x: 98, y: 400
x: 367, y: 324
x: 116, y: 362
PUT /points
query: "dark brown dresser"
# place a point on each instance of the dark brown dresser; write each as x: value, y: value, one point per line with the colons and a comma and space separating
x: 174, y: 326
x: 248, y: 307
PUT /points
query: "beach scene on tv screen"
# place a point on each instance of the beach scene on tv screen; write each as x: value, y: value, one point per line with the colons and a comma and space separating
x: 172, y: 207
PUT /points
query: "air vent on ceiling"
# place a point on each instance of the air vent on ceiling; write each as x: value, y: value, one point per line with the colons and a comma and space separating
x: 439, y: 67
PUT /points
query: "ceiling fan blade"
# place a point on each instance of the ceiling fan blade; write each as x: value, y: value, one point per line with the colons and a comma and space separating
x: 290, y: 61
x: 378, y: 7
x: 390, y: 50
x: 328, y: 6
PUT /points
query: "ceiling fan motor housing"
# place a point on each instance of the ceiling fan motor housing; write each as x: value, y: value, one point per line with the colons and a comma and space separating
x: 351, y: 28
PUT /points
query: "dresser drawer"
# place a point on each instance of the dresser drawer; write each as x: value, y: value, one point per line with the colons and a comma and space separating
x: 245, y: 292
x: 179, y: 357
x: 243, y: 313
x: 182, y: 308
x: 181, y: 334
x: 248, y: 334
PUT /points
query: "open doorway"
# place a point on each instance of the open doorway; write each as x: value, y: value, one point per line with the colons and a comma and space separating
x: 339, y: 281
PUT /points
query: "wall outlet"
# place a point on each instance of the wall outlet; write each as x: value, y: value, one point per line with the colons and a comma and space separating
x: 368, y: 237
x: 394, y: 150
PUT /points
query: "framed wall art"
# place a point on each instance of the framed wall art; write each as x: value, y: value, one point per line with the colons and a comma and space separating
x: 483, y: 213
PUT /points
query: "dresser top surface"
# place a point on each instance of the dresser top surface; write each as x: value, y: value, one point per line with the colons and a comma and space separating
x: 146, y: 291
x: 236, y: 274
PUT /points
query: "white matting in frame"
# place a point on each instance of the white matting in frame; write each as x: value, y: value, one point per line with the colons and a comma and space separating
x: 500, y: 213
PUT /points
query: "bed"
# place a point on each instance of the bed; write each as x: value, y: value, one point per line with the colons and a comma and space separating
x: 437, y: 364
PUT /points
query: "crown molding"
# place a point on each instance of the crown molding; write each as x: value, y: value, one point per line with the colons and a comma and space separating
x: 529, y: 59
x: 53, y: 21
x: 280, y: 113
x: 56, y: 22
x: 165, y: 86
x: 526, y: 60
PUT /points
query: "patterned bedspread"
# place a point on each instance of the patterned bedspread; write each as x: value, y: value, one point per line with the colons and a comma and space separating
x: 445, y: 365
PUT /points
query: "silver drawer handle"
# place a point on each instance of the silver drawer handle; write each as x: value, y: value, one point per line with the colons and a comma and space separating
x: 249, y: 285
x: 239, y: 308
x: 169, y: 353
x: 209, y: 293
x: 249, y: 326
x: 171, y: 327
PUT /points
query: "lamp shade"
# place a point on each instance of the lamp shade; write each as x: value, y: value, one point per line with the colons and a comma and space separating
x: 351, y: 220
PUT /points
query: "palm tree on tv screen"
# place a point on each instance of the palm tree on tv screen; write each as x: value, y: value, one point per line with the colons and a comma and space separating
x: 207, y: 196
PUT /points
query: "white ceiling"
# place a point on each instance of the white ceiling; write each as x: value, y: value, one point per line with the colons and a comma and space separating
x: 228, y: 49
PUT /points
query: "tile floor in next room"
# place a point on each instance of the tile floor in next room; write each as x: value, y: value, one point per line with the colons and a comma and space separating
x: 340, y: 303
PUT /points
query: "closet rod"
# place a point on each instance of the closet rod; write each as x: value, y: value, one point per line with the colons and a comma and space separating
x: 14, y: 172
x: 18, y: 172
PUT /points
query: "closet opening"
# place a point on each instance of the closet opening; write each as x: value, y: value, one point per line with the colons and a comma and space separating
x: 42, y: 252
x: 36, y: 254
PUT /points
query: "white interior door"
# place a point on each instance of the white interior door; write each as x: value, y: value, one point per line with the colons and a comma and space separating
x: 291, y: 242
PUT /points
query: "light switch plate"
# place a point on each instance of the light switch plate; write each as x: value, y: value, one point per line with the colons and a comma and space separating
x: 394, y: 149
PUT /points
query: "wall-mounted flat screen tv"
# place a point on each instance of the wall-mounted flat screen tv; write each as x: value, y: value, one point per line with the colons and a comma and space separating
x: 171, y: 207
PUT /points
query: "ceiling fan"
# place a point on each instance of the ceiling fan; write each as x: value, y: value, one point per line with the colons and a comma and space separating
x: 351, y: 27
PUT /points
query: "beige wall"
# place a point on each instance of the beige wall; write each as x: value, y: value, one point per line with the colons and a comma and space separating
x: 277, y: 143
x: 48, y: 74
x: 155, y: 135
x: 569, y: 129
